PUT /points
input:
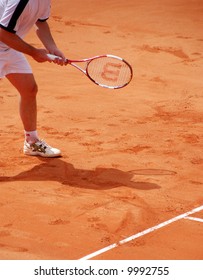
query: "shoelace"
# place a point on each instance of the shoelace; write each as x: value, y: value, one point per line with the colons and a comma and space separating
x: 43, y: 144
x: 40, y: 146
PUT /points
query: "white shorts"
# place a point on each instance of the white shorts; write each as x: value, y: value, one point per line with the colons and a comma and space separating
x: 12, y: 61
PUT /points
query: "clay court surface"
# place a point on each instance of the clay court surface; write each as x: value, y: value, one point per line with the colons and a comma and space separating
x: 132, y: 158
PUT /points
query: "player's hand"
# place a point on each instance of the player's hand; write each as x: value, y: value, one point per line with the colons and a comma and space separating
x: 40, y: 55
x: 61, y: 59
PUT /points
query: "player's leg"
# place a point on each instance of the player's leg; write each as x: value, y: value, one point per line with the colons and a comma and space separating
x: 27, y: 87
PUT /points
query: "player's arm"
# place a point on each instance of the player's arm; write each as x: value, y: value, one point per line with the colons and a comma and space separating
x: 15, y: 42
x: 45, y: 36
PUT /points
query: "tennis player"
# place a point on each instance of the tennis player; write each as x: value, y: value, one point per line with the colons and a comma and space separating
x: 17, y: 17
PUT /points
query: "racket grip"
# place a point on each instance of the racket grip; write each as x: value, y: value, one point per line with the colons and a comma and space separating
x: 53, y: 57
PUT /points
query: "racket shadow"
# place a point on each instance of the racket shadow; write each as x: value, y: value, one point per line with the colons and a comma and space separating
x: 65, y: 173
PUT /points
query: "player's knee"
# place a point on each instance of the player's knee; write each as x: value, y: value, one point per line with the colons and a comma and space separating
x: 32, y: 91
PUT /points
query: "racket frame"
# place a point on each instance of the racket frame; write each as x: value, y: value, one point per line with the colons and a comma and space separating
x: 89, y: 60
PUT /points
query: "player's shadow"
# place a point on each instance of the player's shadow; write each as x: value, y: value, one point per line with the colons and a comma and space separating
x: 65, y: 173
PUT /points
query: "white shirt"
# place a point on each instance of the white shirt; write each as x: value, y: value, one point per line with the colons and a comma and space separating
x: 19, y: 16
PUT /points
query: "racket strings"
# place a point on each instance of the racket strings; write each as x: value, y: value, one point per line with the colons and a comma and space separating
x: 109, y: 72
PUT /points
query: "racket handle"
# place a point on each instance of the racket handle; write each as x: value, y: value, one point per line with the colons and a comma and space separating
x: 53, y: 57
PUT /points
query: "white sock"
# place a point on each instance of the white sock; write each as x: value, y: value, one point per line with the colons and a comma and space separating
x: 31, y: 136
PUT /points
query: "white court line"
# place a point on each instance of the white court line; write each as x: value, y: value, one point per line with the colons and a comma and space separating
x: 137, y: 235
x: 194, y: 219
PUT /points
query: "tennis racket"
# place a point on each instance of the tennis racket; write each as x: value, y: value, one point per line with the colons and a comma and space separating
x: 108, y: 71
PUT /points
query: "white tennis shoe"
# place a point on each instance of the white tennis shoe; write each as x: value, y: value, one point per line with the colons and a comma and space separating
x: 40, y: 148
